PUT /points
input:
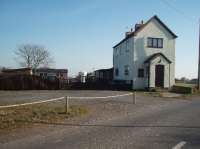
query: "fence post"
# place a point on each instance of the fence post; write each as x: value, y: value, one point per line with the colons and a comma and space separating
x: 66, y: 104
x: 134, y: 97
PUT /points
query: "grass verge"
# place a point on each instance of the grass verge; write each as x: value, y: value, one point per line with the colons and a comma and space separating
x: 185, y: 84
x: 151, y: 94
x: 12, y: 118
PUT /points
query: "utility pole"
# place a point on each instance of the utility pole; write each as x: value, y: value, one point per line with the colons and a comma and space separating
x: 199, y: 60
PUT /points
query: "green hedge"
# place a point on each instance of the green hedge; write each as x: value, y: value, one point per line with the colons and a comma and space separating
x: 183, y: 89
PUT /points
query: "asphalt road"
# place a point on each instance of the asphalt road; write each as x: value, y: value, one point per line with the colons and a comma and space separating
x: 153, y: 123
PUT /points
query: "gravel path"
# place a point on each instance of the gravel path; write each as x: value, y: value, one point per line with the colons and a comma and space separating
x: 11, y: 97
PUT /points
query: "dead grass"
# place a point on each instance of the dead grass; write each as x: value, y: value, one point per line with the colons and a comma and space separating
x: 12, y: 118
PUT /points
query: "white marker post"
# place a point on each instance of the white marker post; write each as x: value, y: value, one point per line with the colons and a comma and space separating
x: 66, y: 104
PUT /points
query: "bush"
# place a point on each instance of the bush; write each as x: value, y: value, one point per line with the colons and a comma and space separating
x: 183, y: 89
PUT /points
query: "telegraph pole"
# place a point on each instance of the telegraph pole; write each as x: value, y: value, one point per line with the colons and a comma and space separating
x: 199, y: 60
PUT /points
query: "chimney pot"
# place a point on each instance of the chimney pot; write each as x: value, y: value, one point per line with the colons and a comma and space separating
x: 131, y: 29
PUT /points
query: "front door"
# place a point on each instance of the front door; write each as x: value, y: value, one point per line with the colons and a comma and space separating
x: 159, y: 81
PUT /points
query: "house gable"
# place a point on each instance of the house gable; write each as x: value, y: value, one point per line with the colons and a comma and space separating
x: 155, y: 29
x: 159, y: 23
x: 154, y: 19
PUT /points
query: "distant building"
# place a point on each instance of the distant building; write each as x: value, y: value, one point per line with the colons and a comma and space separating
x: 104, y: 75
x: 20, y: 71
x: 72, y: 80
x: 194, y: 81
x: 52, y: 74
x: 90, y: 77
x: 82, y: 77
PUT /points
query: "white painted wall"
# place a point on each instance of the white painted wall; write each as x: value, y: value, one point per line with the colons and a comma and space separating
x: 122, y: 56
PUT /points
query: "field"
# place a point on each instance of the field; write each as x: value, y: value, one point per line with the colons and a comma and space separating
x: 185, y: 84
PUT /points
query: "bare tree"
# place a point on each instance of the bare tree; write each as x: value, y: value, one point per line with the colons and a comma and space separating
x: 33, y: 56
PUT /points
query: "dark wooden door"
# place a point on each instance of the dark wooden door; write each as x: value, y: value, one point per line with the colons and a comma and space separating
x: 159, y: 82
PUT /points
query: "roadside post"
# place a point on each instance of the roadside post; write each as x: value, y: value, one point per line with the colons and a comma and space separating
x: 66, y: 104
x: 134, y: 97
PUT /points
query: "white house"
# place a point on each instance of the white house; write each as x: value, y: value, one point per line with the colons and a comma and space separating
x: 146, y: 56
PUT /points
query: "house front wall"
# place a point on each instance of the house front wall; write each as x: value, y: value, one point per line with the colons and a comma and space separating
x: 139, y: 52
x: 142, y: 52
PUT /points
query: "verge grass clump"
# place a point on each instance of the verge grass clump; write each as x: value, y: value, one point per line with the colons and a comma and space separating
x: 12, y: 118
x: 152, y: 94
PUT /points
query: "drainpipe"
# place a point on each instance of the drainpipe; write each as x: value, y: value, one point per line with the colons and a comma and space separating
x: 169, y: 76
x: 149, y: 76
x: 199, y: 60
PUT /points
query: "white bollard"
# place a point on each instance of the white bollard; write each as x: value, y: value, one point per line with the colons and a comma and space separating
x: 66, y: 104
x: 134, y: 97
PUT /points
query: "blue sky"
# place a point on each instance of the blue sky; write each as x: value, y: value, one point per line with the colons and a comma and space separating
x: 80, y: 34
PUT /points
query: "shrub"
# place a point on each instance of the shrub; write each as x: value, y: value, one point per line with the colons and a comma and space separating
x: 183, y: 89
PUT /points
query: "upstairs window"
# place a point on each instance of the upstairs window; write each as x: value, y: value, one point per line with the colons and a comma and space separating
x: 154, y: 42
x: 117, y: 51
x: 120, y: 50
x: 127, y: 45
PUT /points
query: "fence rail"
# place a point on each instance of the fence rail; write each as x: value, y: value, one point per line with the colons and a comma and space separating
x: 67, y: 100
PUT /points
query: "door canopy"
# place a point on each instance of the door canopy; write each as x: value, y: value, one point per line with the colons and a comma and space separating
x: 152, y: 57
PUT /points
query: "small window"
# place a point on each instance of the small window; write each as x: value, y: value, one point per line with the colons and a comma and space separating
x: 116, y: 72
x: 140, y: 73
x: 127, y: 45
x: 120, y: 50
x: 126, y: 70
x: 117, y: 51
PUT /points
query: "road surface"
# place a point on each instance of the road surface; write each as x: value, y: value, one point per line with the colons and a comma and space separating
x: 153, y: 123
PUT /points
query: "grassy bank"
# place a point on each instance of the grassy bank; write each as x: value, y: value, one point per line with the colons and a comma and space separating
x: 12, y: 118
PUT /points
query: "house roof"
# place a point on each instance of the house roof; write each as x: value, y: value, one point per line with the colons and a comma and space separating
x: 48, y: 70
x: 143, y: 26
x: 104, y: 70
x: 148, y: 60
x: 16, y: 70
